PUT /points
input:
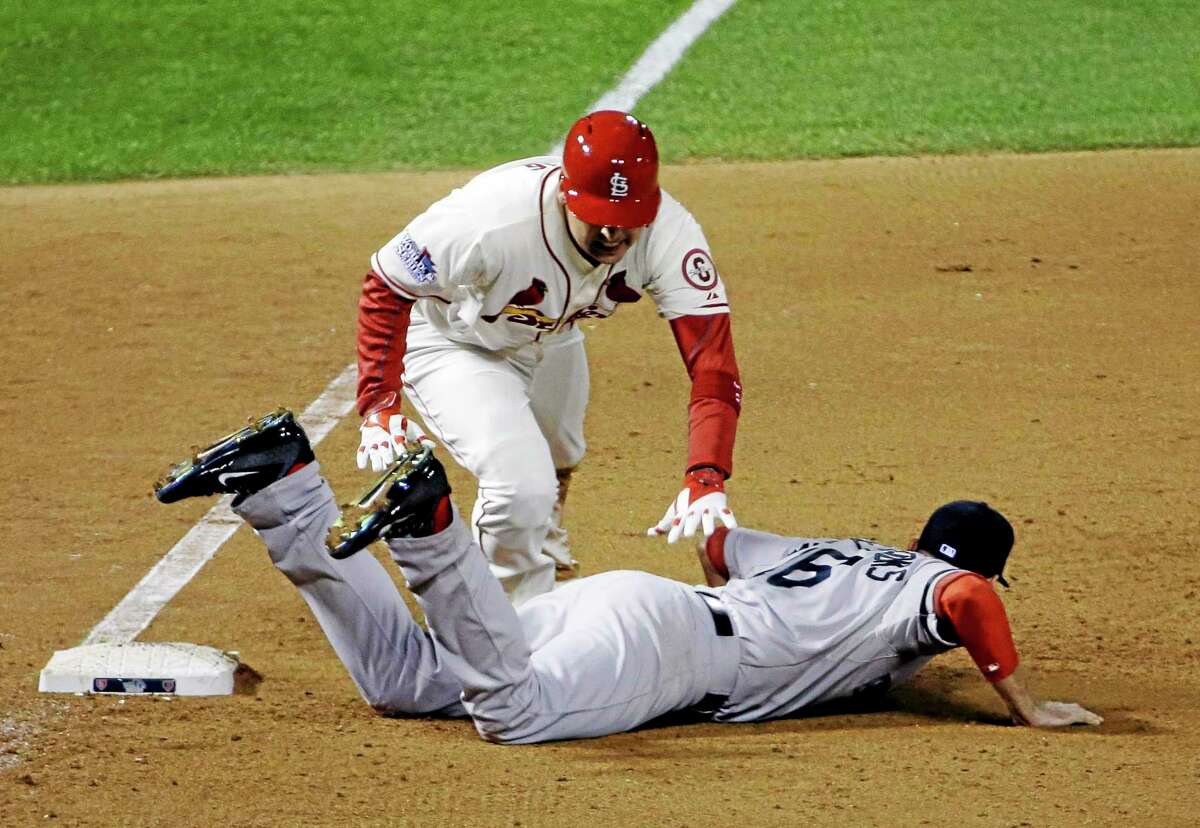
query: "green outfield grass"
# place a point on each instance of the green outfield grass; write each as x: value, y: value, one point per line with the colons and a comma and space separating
x: 100, y: 89
x: 781, y: 78
x: 103, y: 90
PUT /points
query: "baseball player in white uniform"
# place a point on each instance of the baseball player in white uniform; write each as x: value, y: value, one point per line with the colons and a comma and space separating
x: 782, y: 624
x: 473, y: 312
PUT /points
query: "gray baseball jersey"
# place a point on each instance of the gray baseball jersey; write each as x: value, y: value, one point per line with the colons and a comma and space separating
x: 803, y: 621
x: 822, y: 619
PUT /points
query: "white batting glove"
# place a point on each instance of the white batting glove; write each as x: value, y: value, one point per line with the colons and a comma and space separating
x: 384, y: 434
x: 700, y: 504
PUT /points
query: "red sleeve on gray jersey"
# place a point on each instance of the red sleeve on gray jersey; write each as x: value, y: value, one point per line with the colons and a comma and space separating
x: 706, y: 345
x: 977, y: 614
x: 714, y: 548
x: 382, y: 336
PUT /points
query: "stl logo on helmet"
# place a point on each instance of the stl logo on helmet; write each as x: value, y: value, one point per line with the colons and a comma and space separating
x: 619, y: 185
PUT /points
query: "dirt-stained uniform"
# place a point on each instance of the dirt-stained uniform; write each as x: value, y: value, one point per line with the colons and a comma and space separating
x: 801, y: 621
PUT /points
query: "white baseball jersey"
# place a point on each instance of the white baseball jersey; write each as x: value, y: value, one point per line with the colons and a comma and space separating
x: 496, y: 258
x: 820, y: 619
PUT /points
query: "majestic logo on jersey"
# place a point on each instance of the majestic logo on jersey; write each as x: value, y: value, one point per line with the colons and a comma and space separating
x: 416, y: 260
x: 619, y: 185
x: 699, y: 270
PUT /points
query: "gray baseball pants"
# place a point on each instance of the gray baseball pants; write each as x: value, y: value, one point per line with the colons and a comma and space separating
x: 600, y: 655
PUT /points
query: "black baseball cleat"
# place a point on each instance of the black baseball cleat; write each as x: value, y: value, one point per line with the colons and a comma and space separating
x: 243, y: 462
x: 411, y: 489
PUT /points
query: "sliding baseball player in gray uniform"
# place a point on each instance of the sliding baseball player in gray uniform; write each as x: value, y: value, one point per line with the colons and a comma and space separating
x: 782, y: 623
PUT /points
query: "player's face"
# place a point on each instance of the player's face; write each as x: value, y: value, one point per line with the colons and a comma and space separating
x: 604, y: 244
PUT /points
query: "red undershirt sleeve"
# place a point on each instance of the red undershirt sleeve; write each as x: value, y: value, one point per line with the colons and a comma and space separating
x: 706, y: 346
x: 383, y: 318
x: 714, y: 548
x: 977, y: 614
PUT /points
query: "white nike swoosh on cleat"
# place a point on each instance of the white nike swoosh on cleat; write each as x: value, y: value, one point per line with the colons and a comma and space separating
x: 225, y: 477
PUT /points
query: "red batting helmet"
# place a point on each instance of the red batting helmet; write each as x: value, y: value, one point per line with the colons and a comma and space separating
x: 610, y: 170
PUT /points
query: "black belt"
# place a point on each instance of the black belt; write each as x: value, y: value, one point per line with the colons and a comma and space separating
x: 712, y: 702
x: 720, y: 615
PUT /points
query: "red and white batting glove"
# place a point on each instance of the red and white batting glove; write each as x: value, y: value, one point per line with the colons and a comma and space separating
x: 385, y: 431
x: 701, y: 504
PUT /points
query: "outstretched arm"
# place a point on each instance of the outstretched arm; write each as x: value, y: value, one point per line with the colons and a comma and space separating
x: 383, y: 318
x: 706, y: 346
x: 1026, y: 711
x: 969, y: 603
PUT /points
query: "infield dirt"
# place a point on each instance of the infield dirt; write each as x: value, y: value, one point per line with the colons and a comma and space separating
x: 1017, y: 329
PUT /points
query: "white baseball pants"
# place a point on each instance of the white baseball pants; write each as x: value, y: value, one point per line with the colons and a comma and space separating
x: 600, y: 655
x: 510, y: 418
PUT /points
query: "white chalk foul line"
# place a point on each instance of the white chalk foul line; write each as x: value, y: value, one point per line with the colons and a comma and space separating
x: 137, y: 609
x: 659, y: 58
